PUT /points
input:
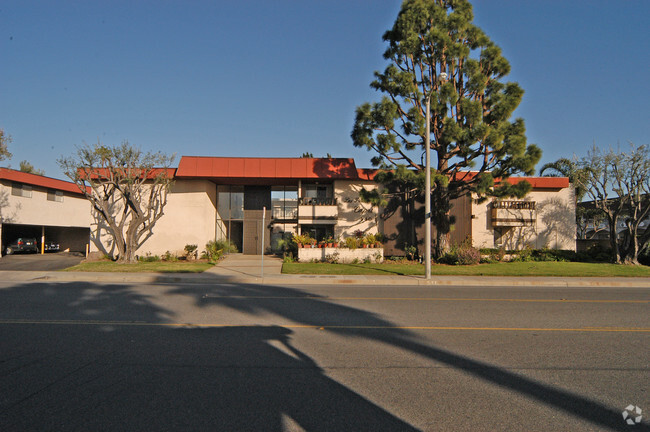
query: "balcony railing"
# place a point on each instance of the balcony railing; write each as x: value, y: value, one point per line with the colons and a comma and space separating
x: 513, y: 213
x: 518, y: 205
x: 285, y: 213
x: 317, y: 201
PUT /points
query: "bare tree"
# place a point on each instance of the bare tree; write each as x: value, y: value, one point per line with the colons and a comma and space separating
x: 628, y: 176
x: 127, y: 189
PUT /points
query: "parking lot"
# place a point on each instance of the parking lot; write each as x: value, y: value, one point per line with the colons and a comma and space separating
x: 38, y: 262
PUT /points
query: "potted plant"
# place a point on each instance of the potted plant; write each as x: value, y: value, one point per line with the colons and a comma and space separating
x: 301, y: 240
x: 369, y: 241
x: 351, y: 243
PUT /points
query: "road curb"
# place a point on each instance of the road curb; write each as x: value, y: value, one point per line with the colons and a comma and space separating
x: 203, y: 278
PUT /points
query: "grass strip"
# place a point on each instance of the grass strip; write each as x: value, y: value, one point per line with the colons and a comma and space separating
x: 565, y: 269
x: 141, y: 267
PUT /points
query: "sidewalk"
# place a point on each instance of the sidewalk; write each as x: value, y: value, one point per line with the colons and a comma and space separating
x: 247, y: 269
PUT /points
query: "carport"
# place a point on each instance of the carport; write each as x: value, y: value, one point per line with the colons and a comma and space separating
x: 43, y: 208
x: 70, y: 239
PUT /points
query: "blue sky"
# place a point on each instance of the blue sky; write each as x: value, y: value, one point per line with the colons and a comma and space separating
x: 279, y: 78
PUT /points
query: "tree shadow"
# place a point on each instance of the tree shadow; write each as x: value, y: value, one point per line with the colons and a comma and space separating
x: 82, y: 356
x: 334, y: 168
x: 289, y: 303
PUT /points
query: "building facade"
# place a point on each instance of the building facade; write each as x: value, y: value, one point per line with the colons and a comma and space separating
x: 257, y: 202
x: 250, y: 200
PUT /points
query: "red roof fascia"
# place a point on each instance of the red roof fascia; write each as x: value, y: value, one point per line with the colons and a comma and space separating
x: 536, y: 182
x: 270, y: 168
x: 38, y: 180
x: 542, y: 182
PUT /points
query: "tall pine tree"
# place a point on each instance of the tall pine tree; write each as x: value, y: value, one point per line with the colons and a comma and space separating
x: 436, y: 52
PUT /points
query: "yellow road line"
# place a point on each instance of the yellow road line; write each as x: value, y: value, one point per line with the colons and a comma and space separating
x: 322, y: 327
x: 446, y: 299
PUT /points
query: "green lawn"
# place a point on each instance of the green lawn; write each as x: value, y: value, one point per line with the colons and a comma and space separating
x: 142, y: 267
x: 569, y: 269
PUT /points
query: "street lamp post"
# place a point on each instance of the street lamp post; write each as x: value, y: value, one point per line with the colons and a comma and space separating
x: 427, y: 194
x: 427, y: 187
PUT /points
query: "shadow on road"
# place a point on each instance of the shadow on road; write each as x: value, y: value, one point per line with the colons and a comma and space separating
x: 106, y: 358
x: 289, y: 304
x: 83, y: 356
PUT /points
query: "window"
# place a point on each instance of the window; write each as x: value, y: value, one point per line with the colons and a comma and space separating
x: 53, y: 195
x: 317, y: 191
x: 284, y: 200
x: 22, y: 190
x: 317, y: 195
x: 230, y: 202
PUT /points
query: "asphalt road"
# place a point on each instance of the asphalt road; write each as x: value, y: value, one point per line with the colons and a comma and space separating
x: 90, y: 356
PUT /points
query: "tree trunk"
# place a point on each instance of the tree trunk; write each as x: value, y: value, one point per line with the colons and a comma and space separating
x: 630, y: 252
x: 613, y: 238
x: 441, y: 220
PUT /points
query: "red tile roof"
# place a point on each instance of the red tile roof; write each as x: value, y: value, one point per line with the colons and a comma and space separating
x: 38, y: 180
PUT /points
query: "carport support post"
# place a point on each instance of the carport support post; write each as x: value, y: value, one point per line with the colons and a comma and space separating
x: 42, y: 239
x: 263, y: 217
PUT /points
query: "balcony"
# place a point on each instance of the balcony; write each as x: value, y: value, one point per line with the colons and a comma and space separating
x: 317, y: 201
x: 317, y: 211
x: 513, y: 213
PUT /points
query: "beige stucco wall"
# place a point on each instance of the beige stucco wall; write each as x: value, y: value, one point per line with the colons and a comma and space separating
x: 353, y: 214
x: 74, y: 211
x: 554, y: 226
x: 189, y: 218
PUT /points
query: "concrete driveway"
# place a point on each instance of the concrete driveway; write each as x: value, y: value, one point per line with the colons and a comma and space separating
x: 38, y: 262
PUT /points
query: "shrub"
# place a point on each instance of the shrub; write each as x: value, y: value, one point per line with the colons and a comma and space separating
x: 596, y: 253
x: 468, y: 256
x: 168, y: 256
x: 287, y: 246
x: 214, y: 250
x: 332, y: 258
x: 463, y: 254
x: 411, y: 252
x: 149, y: 258
x: 190, y: 250
x: 557, y: 255
x: 352, y: 242
x: 523, y: 255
